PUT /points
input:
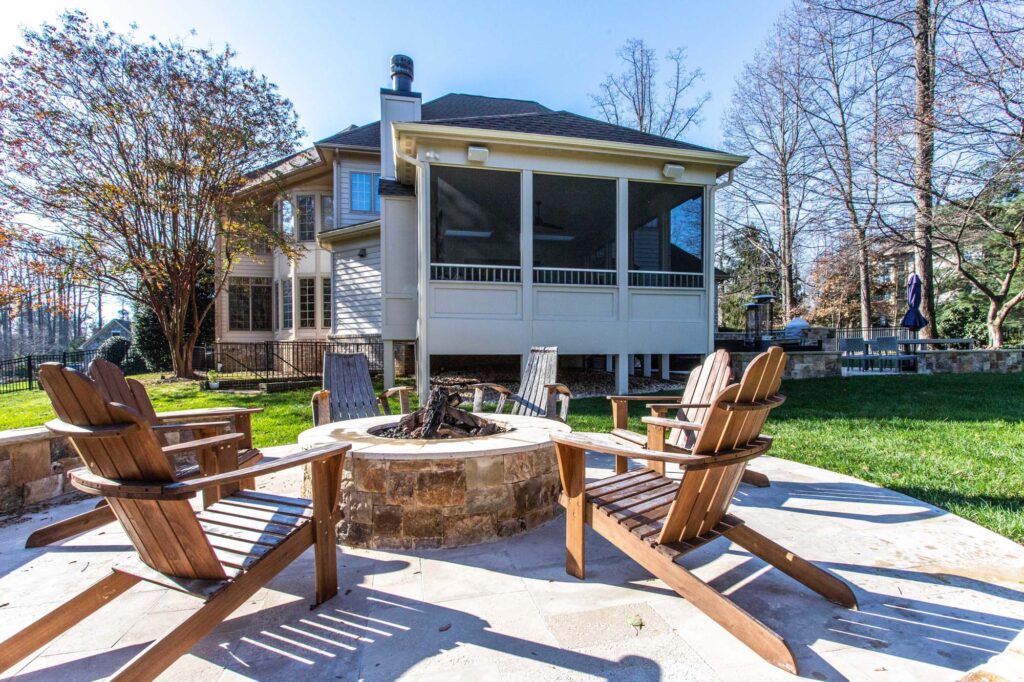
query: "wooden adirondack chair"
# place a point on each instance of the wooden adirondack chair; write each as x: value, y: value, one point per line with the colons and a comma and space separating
x: 222, y: 554
x: 539, y: 392
x: 348, y: 391
x: 704, y: 382
x: 655, y: 519
x: 205, y: 423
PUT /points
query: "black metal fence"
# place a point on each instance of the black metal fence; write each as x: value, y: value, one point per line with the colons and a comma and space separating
x: 264, y: 363
x: 22, y: 374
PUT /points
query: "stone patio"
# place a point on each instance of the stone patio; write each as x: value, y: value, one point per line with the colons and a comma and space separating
x: 939, y: 597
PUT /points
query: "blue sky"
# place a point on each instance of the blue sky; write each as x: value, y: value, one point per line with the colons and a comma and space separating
x: 330, y: 58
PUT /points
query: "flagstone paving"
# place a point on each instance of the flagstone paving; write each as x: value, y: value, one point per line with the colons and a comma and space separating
x: 939, y: 596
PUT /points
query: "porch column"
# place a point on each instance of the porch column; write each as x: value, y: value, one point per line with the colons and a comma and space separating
x: 389, y: 363
x: 621, y: 377
x: 663, y: 365
x: 647, y: 365
x: 630, y: 367
x: 609, y: 363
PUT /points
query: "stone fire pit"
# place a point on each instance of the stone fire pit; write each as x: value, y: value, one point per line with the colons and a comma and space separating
x: 411, y: 493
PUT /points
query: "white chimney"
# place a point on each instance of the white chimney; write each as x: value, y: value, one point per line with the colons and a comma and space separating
x: 398, y: 103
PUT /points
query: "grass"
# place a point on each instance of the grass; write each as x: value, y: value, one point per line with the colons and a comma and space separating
x: 956, y: 441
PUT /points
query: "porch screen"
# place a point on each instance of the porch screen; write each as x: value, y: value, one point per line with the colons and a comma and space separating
x: 474, y: 216
x: 666, y: 227
x: 573, y: 222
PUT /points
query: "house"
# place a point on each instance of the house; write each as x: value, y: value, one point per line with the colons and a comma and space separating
x: 471, y: 225
x: 116, y: 327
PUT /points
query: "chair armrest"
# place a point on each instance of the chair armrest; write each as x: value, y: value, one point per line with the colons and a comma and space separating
x: 671, y: 423
x: 494, y: 387
x: 403, y: 397
x: 88, y: 482
x: 559, y: 388
x: 202, y: 443
x: 208, y: 413
x: 185, y: 426
x: 629, y: 397
x: 586, y: 443
x: 62, y: 428
x: 669, y: 406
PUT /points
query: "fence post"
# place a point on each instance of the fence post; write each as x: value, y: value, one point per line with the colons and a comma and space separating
x: 28, y: 367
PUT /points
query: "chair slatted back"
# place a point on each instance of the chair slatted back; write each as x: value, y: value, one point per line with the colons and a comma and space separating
x: 347, y: 377
x: 166, y: 533
x: 705, y: 494
x: 541, y: 369
x: 703, y: 384
x: 117, y: 388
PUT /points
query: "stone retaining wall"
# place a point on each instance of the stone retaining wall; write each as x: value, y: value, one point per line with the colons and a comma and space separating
x: 982, y: 360
x: 801, y: 365
x: 33, y: 463
x: 423, y: 503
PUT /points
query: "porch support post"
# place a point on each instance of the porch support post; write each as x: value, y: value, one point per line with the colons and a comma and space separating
x: 663, y: 365
x: 647, y: 365
x: 609, y: 363
x: 621, y: 377
x: 389, y: 363
x: 630, y: 366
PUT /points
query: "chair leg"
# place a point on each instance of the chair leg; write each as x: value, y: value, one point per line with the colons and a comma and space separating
x: 63, y: 618
x: 79, y: 523
x: 766, y: 642
x: 801, y: 570
x: 325, y: 542
x: 756, y: 478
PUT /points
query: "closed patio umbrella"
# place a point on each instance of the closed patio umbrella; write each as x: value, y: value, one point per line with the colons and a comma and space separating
x: 914, y: 319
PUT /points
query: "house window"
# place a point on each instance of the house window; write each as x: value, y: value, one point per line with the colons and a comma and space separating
x: 326, y: 212
x: 286, y: 304
x: 666, y: 234
x: 306, y: 217
x: 275, y: 305
x: 249, y: 304
x: 325, y: 303
x: 286, y: 217
x: 365, y: 192
x: 573, y: 230
x: 474, y: 216
x: 307, y: 302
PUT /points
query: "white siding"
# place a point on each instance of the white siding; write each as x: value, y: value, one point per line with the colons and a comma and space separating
x: 343, y: 188
x: 357, y: 294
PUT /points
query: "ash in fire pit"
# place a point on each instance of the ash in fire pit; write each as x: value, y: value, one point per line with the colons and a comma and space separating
x: 440, y: 418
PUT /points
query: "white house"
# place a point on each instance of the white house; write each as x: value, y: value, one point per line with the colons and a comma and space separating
x: 473, y: 225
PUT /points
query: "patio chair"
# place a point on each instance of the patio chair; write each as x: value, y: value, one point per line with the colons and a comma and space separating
x: 888, y: 350
x: 656, y: 520
x: 211, y: 459
x: 704, y: 382
x: 348, y: 391
x: 222, y: 555
x: 539, y: 392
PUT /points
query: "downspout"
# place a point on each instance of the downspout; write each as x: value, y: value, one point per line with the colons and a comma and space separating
x: 422, y: 277
x: 714, y: 307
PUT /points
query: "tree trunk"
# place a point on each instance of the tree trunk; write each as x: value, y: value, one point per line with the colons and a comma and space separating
x: 924, y: 133
x: 863, y: 277
x: 994, y: 324
x: 786, y: 247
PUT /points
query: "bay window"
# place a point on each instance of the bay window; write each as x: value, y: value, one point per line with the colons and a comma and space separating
x: 307, y: 302
x: 475, y: 221
x: 666, y: 235
x: 286, y: 304
x: 326, y: 212
x: 573, y: 230
x: 325, y: 303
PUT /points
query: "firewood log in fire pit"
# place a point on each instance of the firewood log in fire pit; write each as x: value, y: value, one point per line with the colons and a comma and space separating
x: 441, y: 417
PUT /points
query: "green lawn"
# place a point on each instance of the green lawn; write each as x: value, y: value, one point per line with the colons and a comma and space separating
x: 956, y: 441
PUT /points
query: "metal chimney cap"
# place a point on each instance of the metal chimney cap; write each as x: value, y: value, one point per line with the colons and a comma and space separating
x: 401, y: 65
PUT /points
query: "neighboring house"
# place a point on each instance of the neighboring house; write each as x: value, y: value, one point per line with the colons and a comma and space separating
x: 115, y: 327
x: 472, y: 225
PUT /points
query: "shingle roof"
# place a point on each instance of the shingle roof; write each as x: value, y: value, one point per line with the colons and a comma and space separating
x: 393, y: 188
x: 296, y: 161
x: 565, y: 124
x: 452, y: 105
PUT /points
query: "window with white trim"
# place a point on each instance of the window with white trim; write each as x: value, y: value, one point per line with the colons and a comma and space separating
x: 326, y: 212
x: 286, y: 304
x: 305, y: 219
x: 307, y: 302
x: 325, y: 303
x: 365, y: 192
x: 249, y: 304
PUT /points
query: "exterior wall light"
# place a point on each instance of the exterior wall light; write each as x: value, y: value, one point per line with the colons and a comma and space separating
x: 478, y: 154
x: 673, y: 170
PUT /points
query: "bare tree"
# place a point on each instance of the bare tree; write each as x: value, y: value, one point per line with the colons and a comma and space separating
x: 635, y: 98
x: 766, y: 123
x: 137, y: 150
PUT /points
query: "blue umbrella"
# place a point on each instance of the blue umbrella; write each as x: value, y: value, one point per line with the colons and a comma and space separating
x: 914, y: 319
